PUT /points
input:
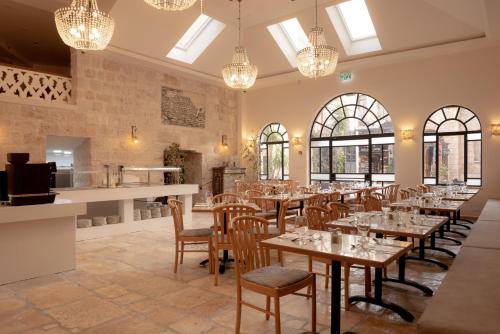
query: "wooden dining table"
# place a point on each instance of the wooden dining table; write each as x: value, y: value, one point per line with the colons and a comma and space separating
x: 379, y: 255
x: 424, y: 228
x: 277, y: 199
x: 450, y: 209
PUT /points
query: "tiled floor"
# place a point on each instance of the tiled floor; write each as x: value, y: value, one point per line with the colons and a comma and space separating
x: 126, y: 284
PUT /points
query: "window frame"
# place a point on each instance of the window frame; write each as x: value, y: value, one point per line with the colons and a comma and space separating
x: 369, y: 136
x: 268, y: 143
x: 463, y: 133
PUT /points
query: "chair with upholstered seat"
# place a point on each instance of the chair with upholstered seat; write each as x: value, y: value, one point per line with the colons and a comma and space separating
x: 222, y: 223
x: 254, y: 272
x: 186, y: 237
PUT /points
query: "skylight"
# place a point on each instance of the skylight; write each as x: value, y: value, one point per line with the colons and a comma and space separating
x: 196, y: 39
x: 357, y: 19
x: 290, y: 37
x: 354, y: 27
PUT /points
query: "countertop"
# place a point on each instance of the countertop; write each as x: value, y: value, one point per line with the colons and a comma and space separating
x: 60, y: 208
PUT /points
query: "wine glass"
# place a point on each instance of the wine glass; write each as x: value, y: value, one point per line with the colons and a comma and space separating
x: 363, y: 227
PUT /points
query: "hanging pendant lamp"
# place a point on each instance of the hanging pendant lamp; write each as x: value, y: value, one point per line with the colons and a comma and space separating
x: 318, y: 59
x: 240, y: 73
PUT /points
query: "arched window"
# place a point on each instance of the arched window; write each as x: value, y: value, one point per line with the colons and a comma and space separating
x: 452, y: 147
x: 273, y: 143
x: 352, y: 139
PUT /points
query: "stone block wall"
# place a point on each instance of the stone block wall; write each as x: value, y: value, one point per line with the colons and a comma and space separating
x: 111, y: 94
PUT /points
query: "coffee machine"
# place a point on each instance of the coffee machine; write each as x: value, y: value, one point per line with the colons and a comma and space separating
x: 26, y: 184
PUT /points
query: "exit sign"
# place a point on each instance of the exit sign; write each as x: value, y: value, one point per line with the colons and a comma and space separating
x: 345, y: 76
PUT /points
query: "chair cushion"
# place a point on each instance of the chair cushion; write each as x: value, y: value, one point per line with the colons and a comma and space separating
x: 197, y: 232
x: 275, y: 277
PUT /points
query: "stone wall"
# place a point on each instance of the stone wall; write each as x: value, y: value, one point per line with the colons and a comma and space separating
x: 112, y: 94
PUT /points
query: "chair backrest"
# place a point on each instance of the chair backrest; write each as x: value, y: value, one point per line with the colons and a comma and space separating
x: 265, y: 205
x: 316, y: 200
x: 241, y: 186
x: 317, y: 217
x: 225, y: 198
x: 176, y: 209
x: 379, y: 196
x: 244, y: 235
x: 338, y: 210
x: 282, y: 216
x: 372, y: 203
x: 393, y: 195
x: 332, y: 197
x: 404, y: 194
x: 224, y: 214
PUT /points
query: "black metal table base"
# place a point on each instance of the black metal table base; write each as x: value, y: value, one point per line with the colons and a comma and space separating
x: 457, y: 242
x: 377, y: 300
x: 225, y: 261
x: 462, y: 226
x: 436, y: 262
x: 401, y: 279
x: 421, y: 252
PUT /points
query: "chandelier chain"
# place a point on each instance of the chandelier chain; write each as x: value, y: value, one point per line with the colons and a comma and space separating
x: 239, y: 22
x: 201, y: 6
x: 316, y: 16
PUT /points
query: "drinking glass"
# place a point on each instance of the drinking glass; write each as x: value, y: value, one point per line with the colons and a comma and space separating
x: 363, y: 225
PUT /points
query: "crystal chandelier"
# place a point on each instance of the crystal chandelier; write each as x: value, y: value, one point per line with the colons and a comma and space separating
x: 318, y: 59
x: 171, y: 5
x: 82, y: 26
x: 240, y: 73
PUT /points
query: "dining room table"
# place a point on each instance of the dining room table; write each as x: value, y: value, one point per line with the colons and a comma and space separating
x: 278, y: 198
x: 421, y: 227
x: 351, y: 249
x: 450, y: 209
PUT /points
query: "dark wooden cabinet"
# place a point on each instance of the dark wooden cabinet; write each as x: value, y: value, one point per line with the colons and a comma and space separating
x: 223, y: 179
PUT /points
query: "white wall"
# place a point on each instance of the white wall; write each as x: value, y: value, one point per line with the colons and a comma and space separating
x: 410, y: 91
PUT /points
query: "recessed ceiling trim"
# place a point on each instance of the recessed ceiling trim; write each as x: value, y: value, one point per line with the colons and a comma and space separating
x: 290, y: 38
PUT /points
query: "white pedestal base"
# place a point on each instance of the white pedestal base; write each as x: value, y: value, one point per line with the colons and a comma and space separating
x: 34, y: 248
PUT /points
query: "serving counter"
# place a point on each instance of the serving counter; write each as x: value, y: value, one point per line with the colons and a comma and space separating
x: 37, y: 240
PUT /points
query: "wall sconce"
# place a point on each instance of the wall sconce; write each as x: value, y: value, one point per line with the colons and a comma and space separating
x: 135, y: 138
x: 224, y: 142
x: 495, y: 129
x: 408, y: 134
x: 297, y: 141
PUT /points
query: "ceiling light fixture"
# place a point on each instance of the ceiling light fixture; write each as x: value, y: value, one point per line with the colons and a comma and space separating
x: 240, y: 73
x: 318, y: 59
x: 83, y: 26
x: 171, y: 5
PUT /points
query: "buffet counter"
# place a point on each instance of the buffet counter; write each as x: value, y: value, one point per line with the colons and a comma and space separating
x: 125, y: 196
x: 37, y: 240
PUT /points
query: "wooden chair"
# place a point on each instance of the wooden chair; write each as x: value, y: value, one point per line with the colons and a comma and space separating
x: 372, y: 203
x: 222, y: 223
x: 338, y: 210
x: 332, y: 197
x: 254, y: 273
x: 393, y: 193
x: 241, y: 186
x: 186, y: 237
x: 316, y: 200
x: 225, y: 198
x: 379, y: 196
x: 317, y: 219
x: 404, y: 194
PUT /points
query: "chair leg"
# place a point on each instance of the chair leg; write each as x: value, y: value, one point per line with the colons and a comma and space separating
x: 313, y: 315
x: 347, y: 273
x: 238, y: 310
x: 182, y: 251
x: 277, y: 315
x: 280, y: 258
x: 310, y: 268
x: 268, y: 307
x: 210, y: 257
x: 216, y: 269
x: 176, y: 256
x: 327, y: 275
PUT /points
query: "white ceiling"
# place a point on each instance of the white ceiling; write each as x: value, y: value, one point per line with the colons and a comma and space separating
x: 401, y: 25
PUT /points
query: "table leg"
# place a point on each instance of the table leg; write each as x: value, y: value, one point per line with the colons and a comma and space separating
x: 301, y: 207
x: 421, y: 255
x: 225, y: 256
x: 401, y: 279
x: 442, y: 236
x: 377, y: 300
x: 335, y: 296
x: 342, y: 198
x: 278, y: 208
